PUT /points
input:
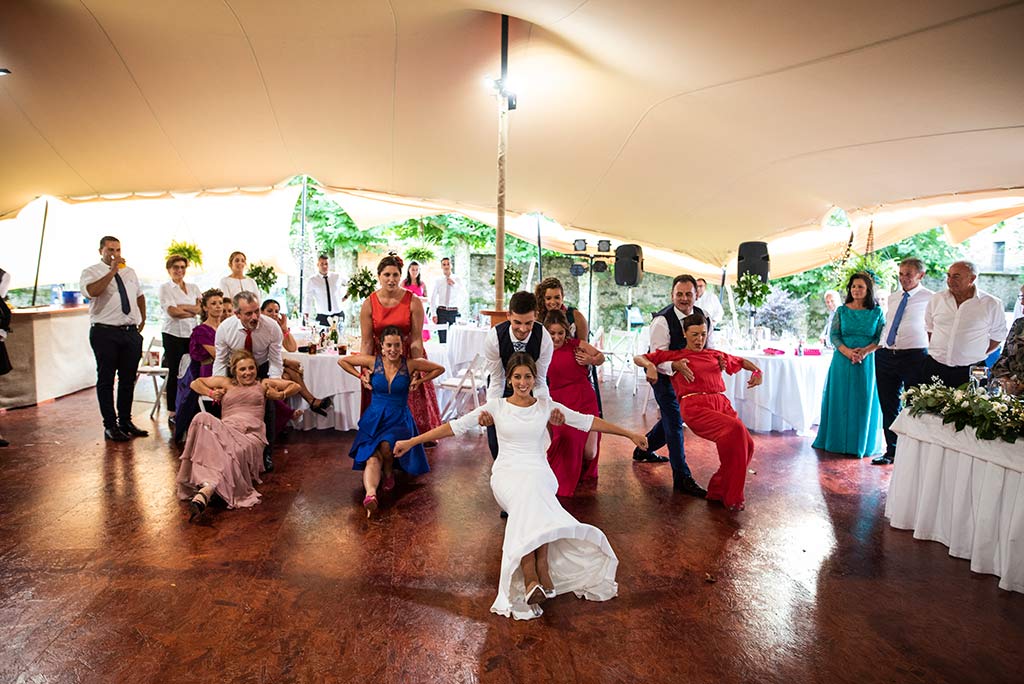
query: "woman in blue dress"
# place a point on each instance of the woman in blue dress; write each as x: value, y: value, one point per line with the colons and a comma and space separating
x: 851, y: 420
x: 387, y: 420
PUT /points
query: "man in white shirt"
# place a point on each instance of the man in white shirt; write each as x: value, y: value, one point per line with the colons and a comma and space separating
x: 446, y: 296
x: 117, y: 314
x: 900, y: 358
x: 667, y: 333
x: 708, y: 303
x: 831, y: 299
x: 964, y: 326
x: 520, y: 333
x: 326, y: 292
x: 247, y: 330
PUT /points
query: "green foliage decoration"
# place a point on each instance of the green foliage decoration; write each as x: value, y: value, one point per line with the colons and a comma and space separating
x: 998, y: 417
x: 423, y: 255
x: 264, y: 275
x: 513, y: 278
x: 189, y: 250
x: 781, y: 312
x: 751, y: 291
x: 881, y: 268
x: 362, y: 284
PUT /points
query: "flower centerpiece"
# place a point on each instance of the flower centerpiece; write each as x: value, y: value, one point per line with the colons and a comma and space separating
x: 751, y: 292
x: 361, y: 285
x: 264, y: 275
x: 993, y: 417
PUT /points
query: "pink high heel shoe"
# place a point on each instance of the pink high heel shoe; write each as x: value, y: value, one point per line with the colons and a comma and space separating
x: 370, y: 504
x: 389, y: 483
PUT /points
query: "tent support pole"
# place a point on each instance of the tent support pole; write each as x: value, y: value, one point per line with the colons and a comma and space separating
x: 540, y: 263
x: 302, y: 247
x: 39, y: 258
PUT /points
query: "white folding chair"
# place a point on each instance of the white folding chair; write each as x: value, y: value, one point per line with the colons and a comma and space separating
x: 472, y: 380
x: 150, y: 366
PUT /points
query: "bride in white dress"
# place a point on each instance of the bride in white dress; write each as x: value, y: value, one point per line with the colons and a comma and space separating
x: 546, y: 551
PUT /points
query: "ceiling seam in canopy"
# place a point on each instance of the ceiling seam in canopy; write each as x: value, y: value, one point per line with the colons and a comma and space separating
x: 394, y: 92
x: 142, y: 94
x: 48, y: 142
x: 852, y: 146
x: 775, y: 72
x: 263, y: 82
x: 573, y: 11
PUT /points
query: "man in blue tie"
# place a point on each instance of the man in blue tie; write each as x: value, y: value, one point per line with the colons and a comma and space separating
x: 899, y: 361
x: 117, y: 314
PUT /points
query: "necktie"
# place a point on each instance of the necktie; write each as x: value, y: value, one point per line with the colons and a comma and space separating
x: 248, y: 340
x: 890, y: 339
x: 125, y: 306
x: 327, y: 284
x: 518, y: 346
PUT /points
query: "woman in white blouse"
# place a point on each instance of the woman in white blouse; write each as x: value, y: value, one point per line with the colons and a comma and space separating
x: 180, y: 303
x: 237, y: 282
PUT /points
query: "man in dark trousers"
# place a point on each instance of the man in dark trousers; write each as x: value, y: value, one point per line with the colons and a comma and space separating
x: 117, y: 314
x: 903, y: 349
x: 667, y: 333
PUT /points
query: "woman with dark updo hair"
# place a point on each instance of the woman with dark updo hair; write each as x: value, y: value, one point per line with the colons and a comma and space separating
x: 391, y: 305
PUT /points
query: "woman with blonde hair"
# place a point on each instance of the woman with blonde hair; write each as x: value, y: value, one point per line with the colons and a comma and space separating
x: 225, y: 455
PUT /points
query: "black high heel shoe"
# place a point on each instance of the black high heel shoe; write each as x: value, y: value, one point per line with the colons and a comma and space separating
x: 321, y: 408
x: 196, y: 507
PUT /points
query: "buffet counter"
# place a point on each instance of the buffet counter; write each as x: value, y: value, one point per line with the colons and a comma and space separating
x: 50, y: 352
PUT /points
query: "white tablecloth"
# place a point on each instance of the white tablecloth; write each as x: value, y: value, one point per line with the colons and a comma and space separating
x: 788, y: 399
x: 324, y: 378
x: 951, y: 487
x: 464, y: 342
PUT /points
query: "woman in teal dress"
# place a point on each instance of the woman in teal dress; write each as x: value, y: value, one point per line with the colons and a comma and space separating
x: 851, y: 420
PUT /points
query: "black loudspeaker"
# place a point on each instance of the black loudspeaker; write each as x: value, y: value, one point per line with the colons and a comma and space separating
x: 629, y: 265
x: 753, y: 258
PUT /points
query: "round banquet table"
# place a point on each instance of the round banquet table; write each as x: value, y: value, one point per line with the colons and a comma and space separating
x: 464, y: 342
x: 790, y: 396
x: 324, y: 378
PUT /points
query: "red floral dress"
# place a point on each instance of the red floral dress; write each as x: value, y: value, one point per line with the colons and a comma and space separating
x: 422, y: 400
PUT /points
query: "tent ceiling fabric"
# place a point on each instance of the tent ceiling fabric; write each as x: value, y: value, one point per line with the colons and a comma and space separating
x: 686, y: 126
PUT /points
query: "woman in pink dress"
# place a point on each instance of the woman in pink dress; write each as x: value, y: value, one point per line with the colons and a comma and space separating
x: 225, y: 455
x: 391, y: 305
x: 572, y: 454
x: 413, y: 283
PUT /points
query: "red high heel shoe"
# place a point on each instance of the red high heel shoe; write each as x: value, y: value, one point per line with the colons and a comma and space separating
x: 389, y: 483
x: 370, y: 504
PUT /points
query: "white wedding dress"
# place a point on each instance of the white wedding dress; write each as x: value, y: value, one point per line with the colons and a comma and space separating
x: 579, y: 557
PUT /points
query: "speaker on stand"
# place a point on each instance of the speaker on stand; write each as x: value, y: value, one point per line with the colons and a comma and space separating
x: 629, y: 265
x: 753, y: 258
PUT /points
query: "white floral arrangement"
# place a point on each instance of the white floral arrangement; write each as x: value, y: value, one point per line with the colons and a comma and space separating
x: 999, y: 416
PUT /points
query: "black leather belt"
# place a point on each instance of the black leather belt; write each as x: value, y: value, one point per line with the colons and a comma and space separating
x: 115, y: 327
x: 922, y: 350
x: 447, y: 308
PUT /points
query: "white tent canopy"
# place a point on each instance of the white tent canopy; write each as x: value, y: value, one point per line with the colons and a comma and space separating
x: 686, y: 126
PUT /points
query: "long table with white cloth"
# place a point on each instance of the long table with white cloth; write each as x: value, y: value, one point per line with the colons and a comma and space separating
x: 789, y: 398
x: 966, y: 493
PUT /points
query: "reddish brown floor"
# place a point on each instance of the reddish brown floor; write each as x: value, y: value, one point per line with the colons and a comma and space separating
x: 103, y: 580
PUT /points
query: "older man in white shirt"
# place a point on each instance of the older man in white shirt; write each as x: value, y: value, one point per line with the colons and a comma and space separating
x: 900, y: 358
x: 117, y: 314
x: 964, y: 326
x: 708, y: 302
x: 326, y: 292
x: 447, y: 295
x: 262, y: 338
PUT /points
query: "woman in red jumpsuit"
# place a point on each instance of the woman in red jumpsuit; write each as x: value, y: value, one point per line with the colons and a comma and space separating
x: 705, y: 409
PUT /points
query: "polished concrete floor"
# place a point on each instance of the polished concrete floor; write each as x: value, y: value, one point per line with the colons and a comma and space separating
x: 102, y: 579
